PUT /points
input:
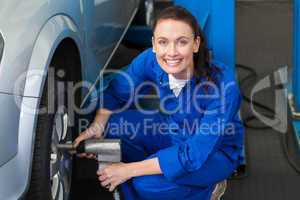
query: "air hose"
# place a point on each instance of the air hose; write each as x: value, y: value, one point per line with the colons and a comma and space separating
x: 252, y: 75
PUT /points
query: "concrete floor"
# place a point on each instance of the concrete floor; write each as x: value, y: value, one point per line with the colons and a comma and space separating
x: 264, y: 42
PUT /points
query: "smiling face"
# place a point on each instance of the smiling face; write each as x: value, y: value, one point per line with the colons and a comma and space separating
x: 174, y: 43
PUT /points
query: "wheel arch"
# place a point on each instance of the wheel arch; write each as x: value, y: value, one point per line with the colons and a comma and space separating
x: 58, y: 33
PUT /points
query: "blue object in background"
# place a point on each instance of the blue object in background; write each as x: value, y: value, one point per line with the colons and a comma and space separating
x: 294, y: 84
x: 296, y: 56
x: 217, y: 19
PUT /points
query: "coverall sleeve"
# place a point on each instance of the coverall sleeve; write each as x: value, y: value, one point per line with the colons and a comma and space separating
x: 121, y: 88
x: 189, y: 156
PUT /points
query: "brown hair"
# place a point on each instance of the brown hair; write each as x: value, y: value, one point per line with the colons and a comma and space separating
x: 202, y: 65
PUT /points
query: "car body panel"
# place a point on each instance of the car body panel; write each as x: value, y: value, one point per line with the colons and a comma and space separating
x: 105, y: 22
x: 9, y: 117
x: 99, y: 36
x: 14, y: 174
x: 21, y: 29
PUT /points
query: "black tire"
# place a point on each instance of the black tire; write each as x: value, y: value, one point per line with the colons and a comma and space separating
x: 41, y: 183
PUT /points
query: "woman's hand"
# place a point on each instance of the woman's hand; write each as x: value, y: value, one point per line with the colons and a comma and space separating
x: 113, y: 175
x: 94, y: 131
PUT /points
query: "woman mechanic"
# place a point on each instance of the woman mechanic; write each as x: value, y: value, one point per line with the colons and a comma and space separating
x: 195, y: 140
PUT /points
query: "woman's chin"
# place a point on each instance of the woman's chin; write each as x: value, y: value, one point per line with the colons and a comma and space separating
x: 172, y: 70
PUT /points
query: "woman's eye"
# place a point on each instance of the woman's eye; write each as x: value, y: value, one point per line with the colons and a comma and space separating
x: 183, y: 42
x: 162, y: 42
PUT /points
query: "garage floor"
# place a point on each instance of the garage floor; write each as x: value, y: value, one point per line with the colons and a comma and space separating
x: 264, y: 42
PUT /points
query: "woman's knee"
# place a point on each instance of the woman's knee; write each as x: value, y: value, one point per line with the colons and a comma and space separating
x: 217, y: 168
x: 144, y: 185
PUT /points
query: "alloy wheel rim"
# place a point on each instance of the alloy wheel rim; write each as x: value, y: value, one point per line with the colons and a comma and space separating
x: 60, y: 162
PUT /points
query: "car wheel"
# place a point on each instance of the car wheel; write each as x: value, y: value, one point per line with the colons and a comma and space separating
x: 51, y: 175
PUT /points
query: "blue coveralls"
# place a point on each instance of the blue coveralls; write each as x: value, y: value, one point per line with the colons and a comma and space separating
x: 192, y: 158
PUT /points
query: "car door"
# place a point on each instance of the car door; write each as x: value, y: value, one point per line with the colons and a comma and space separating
x: 105, y: 23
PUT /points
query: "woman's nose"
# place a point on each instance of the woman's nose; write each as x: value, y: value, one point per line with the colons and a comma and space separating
x: 172, y: 50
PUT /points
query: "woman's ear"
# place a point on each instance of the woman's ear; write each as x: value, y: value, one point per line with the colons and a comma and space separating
x: 153, y: 45
x: 197, y: 44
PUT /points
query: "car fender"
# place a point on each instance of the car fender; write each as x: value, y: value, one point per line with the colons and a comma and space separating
x: 55, y: 30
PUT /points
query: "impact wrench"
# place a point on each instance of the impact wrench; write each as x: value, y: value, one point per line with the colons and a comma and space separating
x: 108, y: 151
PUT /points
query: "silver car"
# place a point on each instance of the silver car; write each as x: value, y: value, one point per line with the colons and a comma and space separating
x: 46, y: 48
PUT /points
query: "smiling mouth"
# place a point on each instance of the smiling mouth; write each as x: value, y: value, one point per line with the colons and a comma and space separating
x: 173, y: 62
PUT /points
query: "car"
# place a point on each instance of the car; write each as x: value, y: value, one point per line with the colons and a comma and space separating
x: 47, y: 47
